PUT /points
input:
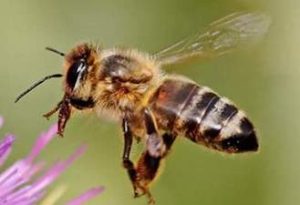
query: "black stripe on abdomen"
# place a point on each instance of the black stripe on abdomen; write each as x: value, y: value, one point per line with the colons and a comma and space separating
x: 217, y: 123
x: 196, y: 110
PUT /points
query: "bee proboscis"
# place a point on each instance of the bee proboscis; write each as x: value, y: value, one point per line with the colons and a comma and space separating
x: 130, y: 86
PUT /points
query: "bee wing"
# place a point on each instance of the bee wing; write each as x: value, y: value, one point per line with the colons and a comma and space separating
x: 222, y: 36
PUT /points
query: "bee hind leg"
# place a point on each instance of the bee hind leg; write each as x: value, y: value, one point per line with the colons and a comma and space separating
x: 149, y: 162
x: 157, y: 148
x: 148, y: 167
x: 132, y: 172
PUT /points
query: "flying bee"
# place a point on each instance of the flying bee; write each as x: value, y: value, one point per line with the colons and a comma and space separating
x: 155, y: 106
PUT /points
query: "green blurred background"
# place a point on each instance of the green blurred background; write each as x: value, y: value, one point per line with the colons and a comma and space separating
x: 263, y: 80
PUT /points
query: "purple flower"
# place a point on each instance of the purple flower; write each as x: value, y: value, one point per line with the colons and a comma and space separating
x: 19, y: 184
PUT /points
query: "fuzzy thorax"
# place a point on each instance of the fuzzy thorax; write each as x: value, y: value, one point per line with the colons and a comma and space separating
x: 127, y: 78
x: 116, y: 80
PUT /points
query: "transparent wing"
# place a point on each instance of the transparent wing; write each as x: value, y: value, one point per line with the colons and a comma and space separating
x: 236, y: 30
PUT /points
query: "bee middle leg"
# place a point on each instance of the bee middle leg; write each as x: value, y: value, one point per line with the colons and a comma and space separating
x: 127, y: 163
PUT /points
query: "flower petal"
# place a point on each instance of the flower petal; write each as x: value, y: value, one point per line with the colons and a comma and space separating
x: 41, y: 142
x: 55, y: 171
x: 5, y: 147
x: 14, y: 177
x: 86, y: 196
x: 16, y: 183
x: 1, y: 121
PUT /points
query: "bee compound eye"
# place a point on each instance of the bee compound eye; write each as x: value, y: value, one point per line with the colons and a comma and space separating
x: 76, y: 72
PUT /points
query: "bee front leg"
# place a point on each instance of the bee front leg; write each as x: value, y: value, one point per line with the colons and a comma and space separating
x: 64, y: 113
x: 54, y: 110
x: 63, y: 116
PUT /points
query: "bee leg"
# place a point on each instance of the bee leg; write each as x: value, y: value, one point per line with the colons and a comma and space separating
x: 54, y: 110
x: 138, y: 188
x: 148, y: 166
x: 146, y: 169
x: 155, y: 144
x: 127, y: 163
x: 63, y: 115
x: 168, y: 140
x: 150, y: 160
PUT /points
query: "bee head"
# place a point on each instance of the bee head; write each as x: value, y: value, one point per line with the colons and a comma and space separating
x: 79, y: 65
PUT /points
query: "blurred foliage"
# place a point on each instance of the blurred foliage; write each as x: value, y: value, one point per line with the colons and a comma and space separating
x: 264, y: 81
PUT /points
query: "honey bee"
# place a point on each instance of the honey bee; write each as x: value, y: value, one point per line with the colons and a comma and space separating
x: 151, y: 105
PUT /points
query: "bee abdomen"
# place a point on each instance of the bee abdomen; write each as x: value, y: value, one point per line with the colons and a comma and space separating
x: 204, y: 117
x: 217, y: 123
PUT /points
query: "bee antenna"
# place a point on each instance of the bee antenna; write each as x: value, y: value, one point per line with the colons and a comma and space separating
x: 55, y: 51
x: 37, y: 84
